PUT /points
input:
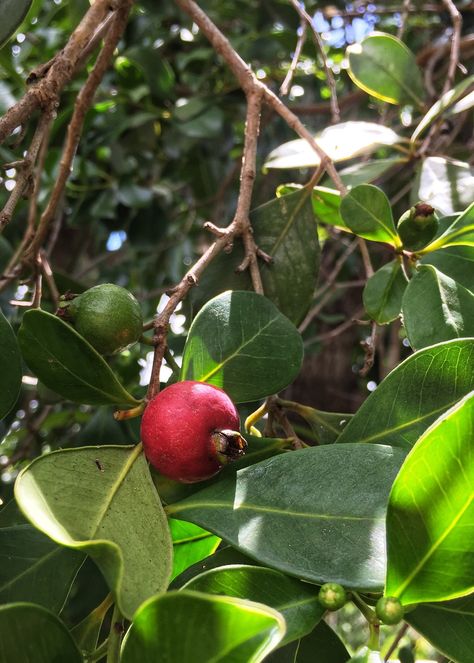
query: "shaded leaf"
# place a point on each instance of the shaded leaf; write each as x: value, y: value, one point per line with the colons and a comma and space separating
x: 436, y: 308
x: 340, y: 142
x: 10, y: 375
x: 366, y: 212
x: 383, y: 293
x: 414, y: 395
x: 445, y: 184
x: 191, y: 544
x: 189, y: 626
x: 457, y: 262
x: 447, y: 626
x: 32, y: 567
x: 224, y: 556
x: 101, y: 500
x: 66, y: 363
x: 295, y: 601
x: 430, y: 516
x: 240, y: 342
x: 12, y: 13
x: 322, y: 645
x: 316, y: 513
x: 447, y: 100
x: 366, y: 172
x: 31, y: 633
x: 384, y: 67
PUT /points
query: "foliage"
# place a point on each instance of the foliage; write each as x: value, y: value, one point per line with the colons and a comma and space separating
x: 101, y: 557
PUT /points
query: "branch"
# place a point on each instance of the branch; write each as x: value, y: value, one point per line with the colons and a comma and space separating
x: 285, y: 86
x: 455, y: 44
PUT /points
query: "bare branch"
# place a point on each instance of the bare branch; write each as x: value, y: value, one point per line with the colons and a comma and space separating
x: 455, y: 43
x: 285, y: 86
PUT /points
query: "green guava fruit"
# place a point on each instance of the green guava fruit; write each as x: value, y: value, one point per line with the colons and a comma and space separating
x: 389, y: 610
x: 332, y: 596
x: 107, y: 316
x: 417, y: 226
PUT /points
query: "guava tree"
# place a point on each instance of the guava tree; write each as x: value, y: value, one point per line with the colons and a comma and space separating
x: 221, y: 226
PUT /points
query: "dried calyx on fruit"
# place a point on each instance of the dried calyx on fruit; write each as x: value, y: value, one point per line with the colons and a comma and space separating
x: 107, y: 316
x: 417, y: 226
x: 190, y: 430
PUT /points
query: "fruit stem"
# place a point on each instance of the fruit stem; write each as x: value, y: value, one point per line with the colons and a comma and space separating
x: 368, y: 613
x: 255, y: 416
x: 121, y: 415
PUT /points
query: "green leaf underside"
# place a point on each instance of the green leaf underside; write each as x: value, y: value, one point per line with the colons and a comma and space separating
x: 66, y: 363
x: 290, y: 513
x: 414, y: 394
x: 367, y: 213
x: 445, y: 184
x: 446, y: 101
x: 241, y: 343
x: 191, y: 544
x: 285, y: 229
x: 101, y: 500
x: 436, y: 308
x: 457, y: 262
x: 10, y: 375
x: 296, y: 601
x: 384, y: 67
x: 32, y: 634
x: 189, y: 626
x: 447, y: 626
x: 322, y: 645
x: 430, y: 518
x: 342, y: 141
x: 12, y: 13
x: 383, y: 293
x: 32, y: 567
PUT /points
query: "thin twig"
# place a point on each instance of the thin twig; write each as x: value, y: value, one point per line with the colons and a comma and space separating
x: 285, y: 86
x: 369, y: 346
x: 455, y: 43
x: 335, y: 112
x: 403, y: 19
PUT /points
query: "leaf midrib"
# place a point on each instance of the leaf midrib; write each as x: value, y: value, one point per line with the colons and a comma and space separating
x: 378, y: 221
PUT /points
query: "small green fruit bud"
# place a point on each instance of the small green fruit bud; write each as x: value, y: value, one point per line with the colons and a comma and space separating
x: 332, y: 596
x: 417, y: 226
x: 389, y: 610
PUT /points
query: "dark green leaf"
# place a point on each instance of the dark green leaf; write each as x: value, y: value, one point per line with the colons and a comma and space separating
x: 436, y: 308
x: 430, y: 517
x: 448, y: 626
x: 285, y: 229
x: 10, y: 375
x: 101, y: 500
x: 240, y: 342
x: 32, y: 634
x: 322, y: 645
x: 224, y: 556
x: 459, y: 233
x: 12, y: 13
x: 366, y: 212
x: 191, y: 544
x: 383, y: 292
x: 296, y: 601
x: 317, y: 513
x: 414, y: 395
x: 340, y: 141
x: 189, y: 626
x: 32, y: 567
x: 66, y: 363
x: 456, y: 262
x: 384, y: 67
x: 445, y: 184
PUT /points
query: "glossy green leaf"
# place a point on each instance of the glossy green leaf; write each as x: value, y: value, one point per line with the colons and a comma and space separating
x: 445, y: 184
x: 325, y: 202
x: 295, y: 601
x: 414, y: 395
x: 240, y: 342
x: 66, y: 363
x: 316, y: 513
x: 87, y: 633
x: 366, y: 172
x: 448, y: 626
x: 12, y: 14
x: 190, y: 545
x: 322, y: 645
x: 384, y: 67
x: 457, y: 262
x: 366, y: 212
x: 430, y: 516
x: 459, y: 233
x: 340, y: 142
x: 224, y: 556
x: 383, y: 293
x: 436, y: 308
x: 32, y: 567
x: 101, y: 500
x: 189, y: 626
x: 10, y: 375
x: 447, y: 100
x: 32, y: 634
x: 285, y: 229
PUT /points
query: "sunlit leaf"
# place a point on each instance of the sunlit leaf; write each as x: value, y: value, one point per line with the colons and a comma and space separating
x: 445, y: 184
x: 366, y: 211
